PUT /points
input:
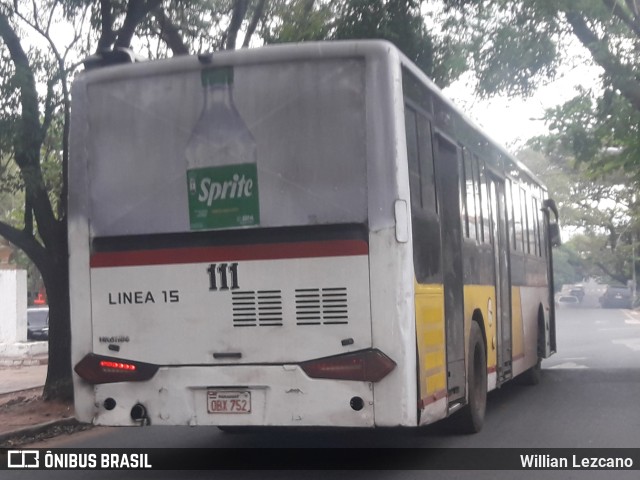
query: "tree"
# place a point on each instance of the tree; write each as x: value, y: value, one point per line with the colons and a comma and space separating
x: 568, y: 266
x: 599, y: 211
x: 290, y: 21
x: 398, y: 21
x: 34, y: 136
x: 43, y: 236
x: 518, y: 45
x: 402, y: 22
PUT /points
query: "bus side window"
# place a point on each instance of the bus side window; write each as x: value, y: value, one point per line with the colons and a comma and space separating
x: 536, y: 225
x: 484, y: 203
x: 525, y: 221
x: 427, y: 176
x: 471, y: 196
x: 411, y: 126
x: 424, y: 219
x: 517, y: 218
x: 476, y: 183
x: 510, y: 215
x: 464, y: 193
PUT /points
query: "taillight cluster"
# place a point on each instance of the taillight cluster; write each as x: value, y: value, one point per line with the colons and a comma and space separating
x: 117, y: 366
x: 97, y: 369
x: 364, y: 366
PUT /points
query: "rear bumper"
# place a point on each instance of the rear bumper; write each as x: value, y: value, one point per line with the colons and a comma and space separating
x: 281, y: 395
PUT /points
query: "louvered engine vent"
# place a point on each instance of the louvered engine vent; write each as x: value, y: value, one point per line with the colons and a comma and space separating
x: 321, y: 306
x: 262, y: 308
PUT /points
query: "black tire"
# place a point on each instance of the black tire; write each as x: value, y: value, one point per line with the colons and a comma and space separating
x: 532, y: 376
x: 471, y: 417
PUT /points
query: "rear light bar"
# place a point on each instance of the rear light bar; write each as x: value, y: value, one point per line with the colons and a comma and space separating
x: 97, y: 369
x: 363, y: 366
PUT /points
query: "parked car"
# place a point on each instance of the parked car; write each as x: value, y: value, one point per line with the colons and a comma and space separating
x: 616, y: 296
x: 578, y: 292
x: 38, y: 323
x: 564, y: 299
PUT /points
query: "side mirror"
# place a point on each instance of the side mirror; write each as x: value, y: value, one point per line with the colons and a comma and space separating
x: 554, y: 235
x: 549, y: 206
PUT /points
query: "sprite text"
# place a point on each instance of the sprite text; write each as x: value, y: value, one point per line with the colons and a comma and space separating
x: 238, y: 187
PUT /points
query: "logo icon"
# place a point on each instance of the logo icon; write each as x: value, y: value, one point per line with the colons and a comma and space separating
x: 23, y: 459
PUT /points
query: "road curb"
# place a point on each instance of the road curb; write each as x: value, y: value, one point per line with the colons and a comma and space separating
x: 18, y: 391
x: 33, y: 430
x: 13, y: 362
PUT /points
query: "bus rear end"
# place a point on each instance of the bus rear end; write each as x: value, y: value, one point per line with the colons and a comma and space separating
x: 190, y: 307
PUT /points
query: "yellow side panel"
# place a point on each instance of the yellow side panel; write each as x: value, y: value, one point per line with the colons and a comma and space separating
x: 482, y: 297
x: 431, y: 342
x: 517, y: 329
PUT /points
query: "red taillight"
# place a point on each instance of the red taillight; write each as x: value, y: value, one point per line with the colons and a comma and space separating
x: 117, y: 366
x: 96, y: 369
x: 363, y: 366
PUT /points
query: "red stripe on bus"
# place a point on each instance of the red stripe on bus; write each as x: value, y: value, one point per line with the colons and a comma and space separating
x: 276, y: 251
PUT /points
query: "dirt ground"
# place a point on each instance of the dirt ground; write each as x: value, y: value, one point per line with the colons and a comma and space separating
x: 27, y: 408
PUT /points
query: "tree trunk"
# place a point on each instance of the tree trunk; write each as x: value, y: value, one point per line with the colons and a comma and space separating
x: 59, y: 383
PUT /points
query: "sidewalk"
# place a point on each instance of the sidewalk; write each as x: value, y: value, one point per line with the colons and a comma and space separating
x: 13, y: 379
x: 24, y: 415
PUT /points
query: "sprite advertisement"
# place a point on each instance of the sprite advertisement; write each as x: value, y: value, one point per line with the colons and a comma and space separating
x: 224, y: 196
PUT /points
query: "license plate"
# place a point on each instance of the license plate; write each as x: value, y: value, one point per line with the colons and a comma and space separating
x: 228, y: 401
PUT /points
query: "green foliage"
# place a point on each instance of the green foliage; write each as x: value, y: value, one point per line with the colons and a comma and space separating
x: 588, y: 256
x: 515, y: 59
x: 432, y: 38
x: 290, y: 21
x: 592, y: 256
x: 440, y: 52
x: 568, y: 267
x: 513, y: 46
x: 603, y: 133
x: 597, y: 213
x: 519, y: 45
x: 398, y: 21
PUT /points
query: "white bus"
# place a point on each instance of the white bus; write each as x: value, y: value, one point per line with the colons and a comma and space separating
x: 297, y: 235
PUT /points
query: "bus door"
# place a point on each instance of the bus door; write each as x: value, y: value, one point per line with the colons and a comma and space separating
x: 447, y: 183
x: 501, y: 264
x: 552, y: 239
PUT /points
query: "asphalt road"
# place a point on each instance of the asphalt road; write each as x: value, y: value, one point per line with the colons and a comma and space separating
x: 589, y: 397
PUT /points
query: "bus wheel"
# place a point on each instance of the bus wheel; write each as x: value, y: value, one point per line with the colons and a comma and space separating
x: 471, y: 417
x: 531, y: 376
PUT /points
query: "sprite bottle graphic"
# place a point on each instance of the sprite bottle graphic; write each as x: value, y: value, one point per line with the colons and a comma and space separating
x: 222, y: 177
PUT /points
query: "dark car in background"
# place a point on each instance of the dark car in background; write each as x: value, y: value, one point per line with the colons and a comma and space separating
x: 616, y: 296
x: 38, y: 323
